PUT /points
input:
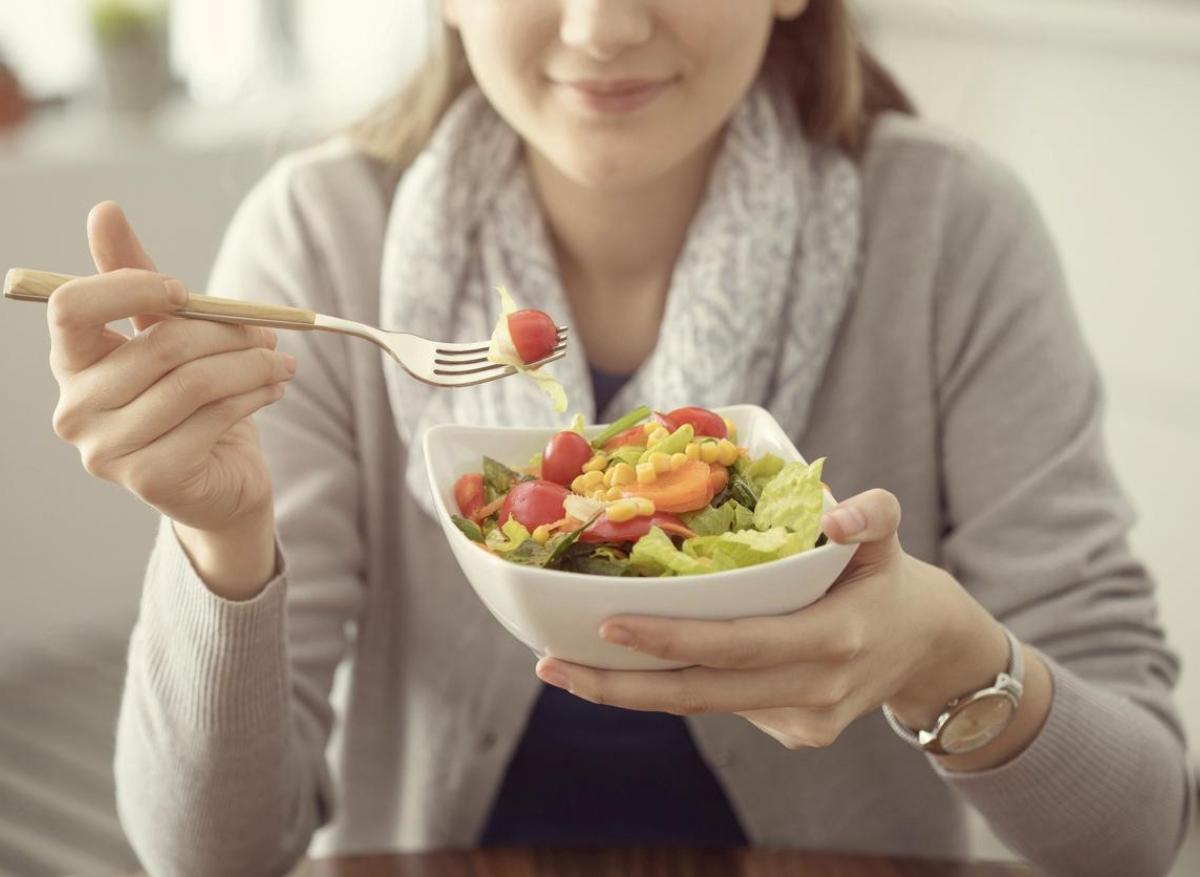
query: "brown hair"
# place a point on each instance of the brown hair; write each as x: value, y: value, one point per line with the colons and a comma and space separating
x: 839, y: 86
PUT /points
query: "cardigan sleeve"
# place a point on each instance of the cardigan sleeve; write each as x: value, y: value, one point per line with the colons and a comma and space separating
x: 1037, y: 532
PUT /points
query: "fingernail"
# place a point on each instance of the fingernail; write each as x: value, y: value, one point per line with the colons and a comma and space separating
x: 553, y: 677
x: 614, y: 633
x: 177, y: 293
x: 850, y: 520
x: 290, y: 362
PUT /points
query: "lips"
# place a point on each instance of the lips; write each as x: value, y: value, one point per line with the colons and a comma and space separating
x: 611, y: 96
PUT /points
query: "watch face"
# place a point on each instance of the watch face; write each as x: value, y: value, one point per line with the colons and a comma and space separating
x: 977, y: 723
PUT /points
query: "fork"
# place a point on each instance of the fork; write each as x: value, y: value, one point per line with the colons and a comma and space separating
x: 441, y: 363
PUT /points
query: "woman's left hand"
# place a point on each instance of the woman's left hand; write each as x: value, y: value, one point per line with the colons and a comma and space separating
x: 892, y: 630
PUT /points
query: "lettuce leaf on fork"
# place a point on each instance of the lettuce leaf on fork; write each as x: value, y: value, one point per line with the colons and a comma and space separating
x: 503, y: 351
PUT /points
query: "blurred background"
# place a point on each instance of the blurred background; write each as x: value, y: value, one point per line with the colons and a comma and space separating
x: 175, y: 108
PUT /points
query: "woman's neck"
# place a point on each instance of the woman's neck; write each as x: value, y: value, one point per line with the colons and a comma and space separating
x: 614, y: 241
x: 616, y: 252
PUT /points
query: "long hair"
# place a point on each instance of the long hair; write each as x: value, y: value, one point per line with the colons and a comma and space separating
x: 839, y: 87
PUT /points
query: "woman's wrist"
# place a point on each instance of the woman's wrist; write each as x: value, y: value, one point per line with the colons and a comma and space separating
x: 235, y: 563
x: 966, y: 654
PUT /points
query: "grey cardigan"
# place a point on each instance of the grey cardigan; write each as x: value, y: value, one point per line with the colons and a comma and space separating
x: 368, y: 697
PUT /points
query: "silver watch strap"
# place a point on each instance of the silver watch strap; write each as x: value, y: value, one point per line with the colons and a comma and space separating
x: 1012, y: 680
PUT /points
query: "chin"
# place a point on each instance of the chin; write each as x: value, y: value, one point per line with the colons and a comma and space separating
x: 613, y: 169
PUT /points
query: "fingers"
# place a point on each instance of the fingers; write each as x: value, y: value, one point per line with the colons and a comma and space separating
x: 819, y: 632
x: 131, y: 369
x: 181, y: 393
x: 697, y: 690
x: 114, y: 245
x: 79, y: 311
x: 194, y: 437
x: 867, y: 517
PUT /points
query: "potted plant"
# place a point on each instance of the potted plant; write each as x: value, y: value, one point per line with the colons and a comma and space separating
x: 131, y: 37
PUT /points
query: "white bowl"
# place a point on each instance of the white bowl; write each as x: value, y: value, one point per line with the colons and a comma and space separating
x: 559, y: 613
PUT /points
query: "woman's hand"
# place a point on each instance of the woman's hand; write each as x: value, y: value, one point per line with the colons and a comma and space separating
x: 892, y: 630
x: 165, y: 413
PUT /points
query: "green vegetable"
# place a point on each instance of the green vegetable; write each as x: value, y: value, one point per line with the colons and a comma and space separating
x: 577, y: 424
x: 743, y: 490
x: 634, y: 417
x: 711, y: 520
x: 470, y: 528
x: 630, y: 454
x: 509, y: 537
x: 499, y: 479
x: 746, y: 547
x: 794, y: 499
x: 760, y: 471
x: 672, y: 444
x: 535, y: 462
x: 656, y: 555
x: 530, y: 553
x: 600, y: 561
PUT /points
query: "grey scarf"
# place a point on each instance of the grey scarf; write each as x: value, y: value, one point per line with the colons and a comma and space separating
x: 755, y: 299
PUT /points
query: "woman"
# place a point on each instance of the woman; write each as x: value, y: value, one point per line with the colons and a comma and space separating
x: 728, y: 203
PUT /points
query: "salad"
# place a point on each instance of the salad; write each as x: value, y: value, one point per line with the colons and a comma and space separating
x: 652, y: 495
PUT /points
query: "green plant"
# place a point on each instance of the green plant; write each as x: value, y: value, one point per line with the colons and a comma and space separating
x: 115, y: 21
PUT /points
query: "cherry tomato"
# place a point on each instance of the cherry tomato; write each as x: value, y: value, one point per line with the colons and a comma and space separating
x: 703, y: 421
x: 635, y: 435
x: 533, y: 333
x: 564, y: 456
x: 468, y: 493
x: 534, y: 503
x: 604, y: 530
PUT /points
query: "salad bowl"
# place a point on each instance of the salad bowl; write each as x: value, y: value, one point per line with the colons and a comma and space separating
x: 558, y: 612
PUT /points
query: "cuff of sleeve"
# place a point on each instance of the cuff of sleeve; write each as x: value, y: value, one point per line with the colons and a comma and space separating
x: 1087, y: 742
x: 217, y: 664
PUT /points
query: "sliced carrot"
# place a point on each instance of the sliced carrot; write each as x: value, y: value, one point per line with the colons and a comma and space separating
x: 718, y: 478
x: 682, y: 490
x: 488, y: 510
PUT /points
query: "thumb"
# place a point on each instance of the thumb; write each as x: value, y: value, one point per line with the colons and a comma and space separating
x: 870, y: 519
x: 114, y: 245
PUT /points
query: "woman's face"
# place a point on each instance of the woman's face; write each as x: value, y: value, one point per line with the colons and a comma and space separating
x: 615, y: 93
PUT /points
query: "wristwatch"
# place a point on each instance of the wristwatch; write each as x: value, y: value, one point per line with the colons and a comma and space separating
x: 974, y: 720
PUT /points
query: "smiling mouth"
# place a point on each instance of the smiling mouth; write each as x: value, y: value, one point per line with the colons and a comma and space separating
x: 612, y: 97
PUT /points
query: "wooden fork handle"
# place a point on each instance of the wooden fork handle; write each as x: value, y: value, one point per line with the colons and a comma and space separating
x: 26, y: 284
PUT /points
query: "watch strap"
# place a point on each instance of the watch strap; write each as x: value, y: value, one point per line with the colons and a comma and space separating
x: 1011, y: 681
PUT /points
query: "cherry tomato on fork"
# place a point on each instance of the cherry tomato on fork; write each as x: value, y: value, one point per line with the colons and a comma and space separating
x: 564, y: 456
x: 533, y: 333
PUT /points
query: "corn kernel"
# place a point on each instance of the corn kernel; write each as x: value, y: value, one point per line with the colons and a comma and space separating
x: 650, y: 426
x: 596, y: 464
x: 661, y: 462
x: 645, y: 505
x: 731, y: 429
x: 578, y: 485
x: 540, y: 534
x: 623, y: 473
x: 598, y: 494
x: 692, y: 450
x: 646, y: 473
x: 709, y: 452
x: 622, y: 510
x: 613, y: 493
x: 592, y: 479
x: 657, y: 436
x: 678, y: 460
x: 726, y: 452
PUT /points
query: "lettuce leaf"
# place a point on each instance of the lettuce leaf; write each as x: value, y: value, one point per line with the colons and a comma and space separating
x: 508, y: 537
x: 762, y: 470
x: 745, y: 547
x: 656, y: 555
x: 710, y: 520
x: 793, y: 499
x: 503, y: 351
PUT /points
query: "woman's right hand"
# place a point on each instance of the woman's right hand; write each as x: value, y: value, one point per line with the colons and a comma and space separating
x: 166, y: 412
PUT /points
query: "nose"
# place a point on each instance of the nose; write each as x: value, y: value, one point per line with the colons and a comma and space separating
x: 603, y: 29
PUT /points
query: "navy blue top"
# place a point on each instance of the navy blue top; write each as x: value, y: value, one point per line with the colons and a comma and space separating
x: 585, y: 774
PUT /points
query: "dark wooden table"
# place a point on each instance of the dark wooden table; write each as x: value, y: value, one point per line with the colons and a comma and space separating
x: 645, y: 863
